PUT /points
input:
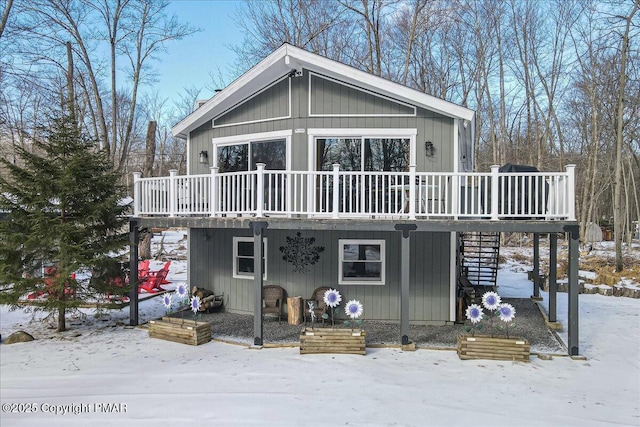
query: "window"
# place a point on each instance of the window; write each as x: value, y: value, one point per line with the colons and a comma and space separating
x: 380, y: 154
x: 362, y: 262
x: 243, y: 258
x: 245, y: 156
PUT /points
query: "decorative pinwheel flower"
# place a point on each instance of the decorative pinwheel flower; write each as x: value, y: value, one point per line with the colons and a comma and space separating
x: 332, y: 298
x: 353, y: 309
x: 506, y: 312
x: 166, y: 300
x: 474, y: 313
x: 194, y: 303
x: 491, y: 301
x: 181, y: 291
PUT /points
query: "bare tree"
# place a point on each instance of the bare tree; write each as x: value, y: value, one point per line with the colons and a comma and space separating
x: 620, y: 111
x: 131, y: 29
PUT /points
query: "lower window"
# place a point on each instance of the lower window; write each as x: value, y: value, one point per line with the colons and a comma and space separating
x: 243, y: 256
x: 362, y: 262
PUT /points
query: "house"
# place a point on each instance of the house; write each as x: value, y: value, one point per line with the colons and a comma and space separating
x: 380, y: 175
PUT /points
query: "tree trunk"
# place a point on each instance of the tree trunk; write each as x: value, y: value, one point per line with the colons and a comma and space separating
x: 61, y: 320
x: 144, y: 248
x: 5, y: 16
x: 150, y: 150
x: 71, y: 98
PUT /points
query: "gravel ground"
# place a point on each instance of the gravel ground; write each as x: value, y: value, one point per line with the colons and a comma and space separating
x: 530, y: 325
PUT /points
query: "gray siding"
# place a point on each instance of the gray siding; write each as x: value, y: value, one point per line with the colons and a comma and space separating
x: 329, y: 97
x: 270, y: 103
x: 430, y: 126
x: 211, y: 265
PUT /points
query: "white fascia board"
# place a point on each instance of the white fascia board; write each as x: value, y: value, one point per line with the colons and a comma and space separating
x: 208, y: 110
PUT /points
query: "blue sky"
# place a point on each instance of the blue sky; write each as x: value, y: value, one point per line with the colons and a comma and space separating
x: 189, y: 61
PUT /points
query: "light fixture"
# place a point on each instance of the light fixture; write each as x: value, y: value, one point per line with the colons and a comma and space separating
x: 204, y: 157
x: 429, y: 149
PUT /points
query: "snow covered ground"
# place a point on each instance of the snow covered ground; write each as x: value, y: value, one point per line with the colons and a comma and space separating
x: 102, y: 372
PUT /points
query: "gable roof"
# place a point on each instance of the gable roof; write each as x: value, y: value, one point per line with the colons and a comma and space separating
x: 288, y: 58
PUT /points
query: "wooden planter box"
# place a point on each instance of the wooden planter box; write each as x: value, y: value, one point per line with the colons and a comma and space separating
x: 330, y: 340
x: 180, y: 330
x: 493, y: 348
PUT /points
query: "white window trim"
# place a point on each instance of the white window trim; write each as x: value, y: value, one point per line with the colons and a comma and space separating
x: 237, y: 275
x: 313, y: 133
x: 253, y: 137
x: 383, y: 260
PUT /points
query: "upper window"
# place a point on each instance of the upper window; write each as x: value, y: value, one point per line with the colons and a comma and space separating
x: 362, y: 262
x: 363, y: 154
x: 243, y: 258
x: 244, y: 156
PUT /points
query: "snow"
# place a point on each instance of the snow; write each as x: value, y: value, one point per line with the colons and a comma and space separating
x: 100, y: 365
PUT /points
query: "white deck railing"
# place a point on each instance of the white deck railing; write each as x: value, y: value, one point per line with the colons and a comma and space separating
x: 373, y: 195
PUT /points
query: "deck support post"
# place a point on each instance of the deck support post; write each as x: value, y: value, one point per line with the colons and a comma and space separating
x: 258, y: 228
x: 536, y: 266
x: 133, y: 272
x: 553, y: 276
x: 574, y: 257
x: 405, y: 263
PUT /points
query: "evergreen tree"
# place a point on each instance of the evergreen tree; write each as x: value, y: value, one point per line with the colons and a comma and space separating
x: 63, y: 210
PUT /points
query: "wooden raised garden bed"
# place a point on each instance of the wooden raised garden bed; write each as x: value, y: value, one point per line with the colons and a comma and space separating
x: 330, y: 340
x: 493, y: 348
x: 180, y: 330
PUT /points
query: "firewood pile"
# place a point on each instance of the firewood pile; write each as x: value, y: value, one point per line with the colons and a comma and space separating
x: 208, y: 300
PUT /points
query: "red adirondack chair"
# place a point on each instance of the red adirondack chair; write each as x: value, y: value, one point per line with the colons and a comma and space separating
x: 154, y: 280
x: 143, y: 270
x: 49, y: 286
